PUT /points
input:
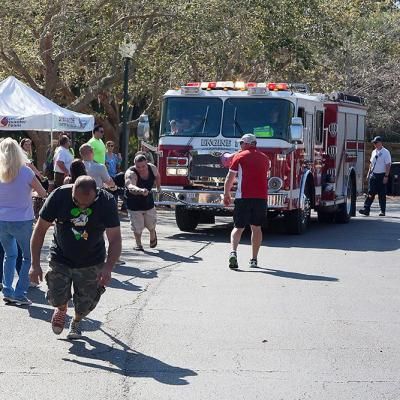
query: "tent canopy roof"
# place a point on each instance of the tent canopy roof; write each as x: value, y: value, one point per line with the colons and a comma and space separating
x: 22, y: 108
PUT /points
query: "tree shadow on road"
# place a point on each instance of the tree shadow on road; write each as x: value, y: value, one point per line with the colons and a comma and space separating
x: 290, y: 274
x: 214, y: 234
x: 360, y: 234
x: 123, y: 360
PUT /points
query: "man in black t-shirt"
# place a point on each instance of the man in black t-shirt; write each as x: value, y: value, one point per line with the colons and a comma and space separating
x: 139, y: 181
x: 82, y: 213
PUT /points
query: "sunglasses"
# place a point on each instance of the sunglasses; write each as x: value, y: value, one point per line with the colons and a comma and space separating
x: 110, y: 145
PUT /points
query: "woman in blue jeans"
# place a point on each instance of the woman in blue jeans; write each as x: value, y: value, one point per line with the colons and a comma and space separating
x: 16, y: 218
x: 17, y: 265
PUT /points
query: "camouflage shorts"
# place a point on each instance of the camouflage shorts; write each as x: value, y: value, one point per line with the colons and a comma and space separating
x: 87, y: 291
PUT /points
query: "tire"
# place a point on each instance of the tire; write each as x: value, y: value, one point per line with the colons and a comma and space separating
x: 297, y: 221
x: 186, y: 220
x: 347, y: 209
x: 326, y: 218
x: 206, y: 218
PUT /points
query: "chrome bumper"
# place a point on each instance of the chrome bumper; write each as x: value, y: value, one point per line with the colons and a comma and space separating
x: 209, y: 199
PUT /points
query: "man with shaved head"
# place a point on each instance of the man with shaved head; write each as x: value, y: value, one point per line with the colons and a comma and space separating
x: 97, y: 171
x: 78, y: 258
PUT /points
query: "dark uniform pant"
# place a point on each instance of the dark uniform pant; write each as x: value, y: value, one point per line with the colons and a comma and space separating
x: 376, y: 187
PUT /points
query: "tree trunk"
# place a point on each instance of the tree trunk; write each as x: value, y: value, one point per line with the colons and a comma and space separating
x: 41, y: 140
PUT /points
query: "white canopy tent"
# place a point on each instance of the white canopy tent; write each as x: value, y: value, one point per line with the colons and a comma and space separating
x: 22, y: 108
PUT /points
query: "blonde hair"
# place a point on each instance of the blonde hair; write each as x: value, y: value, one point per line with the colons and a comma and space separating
x: 12, y: 158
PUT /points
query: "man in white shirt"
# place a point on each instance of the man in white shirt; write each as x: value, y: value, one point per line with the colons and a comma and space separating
x: 97, y: 171
x: 62, y: 161
x: 378, y: 175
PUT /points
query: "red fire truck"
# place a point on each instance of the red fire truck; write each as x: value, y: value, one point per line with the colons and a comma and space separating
x: 315, y: 143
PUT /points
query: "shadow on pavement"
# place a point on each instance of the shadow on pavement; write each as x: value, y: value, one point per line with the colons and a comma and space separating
x: 290, y: 275
x: 42, y: 313
x: 213, y: 234
x: 135, y: 272
x: 360, y: 234
x: 37, y: 295
x: 168, y: 256
x: 125, y: 361
x: 45, y: 314
x: 124, y: 285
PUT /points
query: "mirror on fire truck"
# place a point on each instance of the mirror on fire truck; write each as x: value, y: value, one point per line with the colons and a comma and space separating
x: 296, y: 130
x: 143, y: 128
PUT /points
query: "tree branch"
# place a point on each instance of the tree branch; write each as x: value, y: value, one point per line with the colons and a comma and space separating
x: 133, y: 123
x: 14, y: 62
x: 103, y: 84
x: 131, y: 17
x: 75, y: 50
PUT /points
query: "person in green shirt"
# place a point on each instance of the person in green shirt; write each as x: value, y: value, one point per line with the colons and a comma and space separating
x: 97, y: 145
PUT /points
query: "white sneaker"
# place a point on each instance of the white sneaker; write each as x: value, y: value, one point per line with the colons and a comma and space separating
x: 233, y: 262
x: 22, y: 301
x: 9, y: 300
x: 75, y: 331
x: 253, y: 263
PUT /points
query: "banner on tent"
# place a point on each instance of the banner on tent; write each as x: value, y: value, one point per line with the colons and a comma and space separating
x: 12, y: 122
x: 71, y: 123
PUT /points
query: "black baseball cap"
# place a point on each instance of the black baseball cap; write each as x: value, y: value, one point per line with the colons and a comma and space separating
x: 377, y: 139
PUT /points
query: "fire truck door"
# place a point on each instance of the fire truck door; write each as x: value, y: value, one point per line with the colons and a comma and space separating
x: 309, y: 138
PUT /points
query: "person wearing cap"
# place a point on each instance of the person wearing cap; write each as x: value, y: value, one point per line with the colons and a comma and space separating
x: 250, y: 167
x: 378, y: 175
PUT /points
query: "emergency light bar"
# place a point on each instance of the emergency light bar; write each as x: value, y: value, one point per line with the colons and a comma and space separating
x: 195, y: 87
x: 240, y: 85
x: 190, y: 89
x: 257, y: 91
x: 225, y: 85
x: 277, y: 86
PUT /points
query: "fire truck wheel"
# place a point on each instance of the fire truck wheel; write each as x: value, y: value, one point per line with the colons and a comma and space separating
x: 326, y: 218
x: 346, y: 210
x: 187, y: 220
x: 297, y: 220
x: 342, y: 215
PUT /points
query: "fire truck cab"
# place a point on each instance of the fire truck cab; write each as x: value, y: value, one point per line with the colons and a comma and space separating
x: 315, y: 143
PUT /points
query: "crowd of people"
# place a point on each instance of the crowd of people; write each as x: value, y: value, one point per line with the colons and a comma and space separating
x: 80, y: 199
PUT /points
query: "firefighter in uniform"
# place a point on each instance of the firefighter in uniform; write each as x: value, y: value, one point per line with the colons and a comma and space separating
x: 378, y: 175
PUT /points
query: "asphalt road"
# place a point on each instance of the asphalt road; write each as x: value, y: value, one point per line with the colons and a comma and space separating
x: 319, y: 319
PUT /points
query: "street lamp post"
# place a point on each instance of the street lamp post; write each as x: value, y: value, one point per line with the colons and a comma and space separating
x: 127, y: 50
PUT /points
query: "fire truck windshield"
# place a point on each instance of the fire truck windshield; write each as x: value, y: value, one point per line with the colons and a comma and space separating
x: 265, y: 118
x: 188, y: 116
